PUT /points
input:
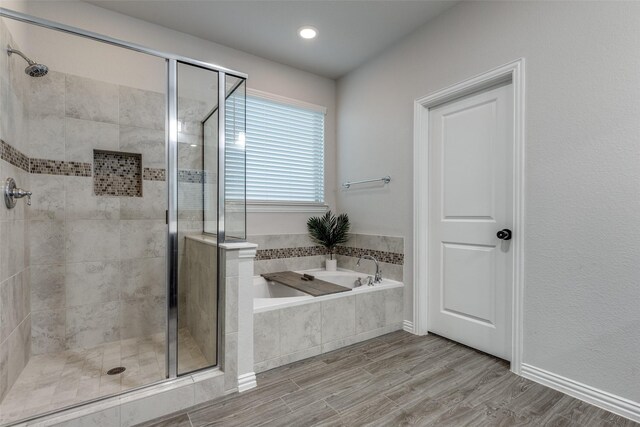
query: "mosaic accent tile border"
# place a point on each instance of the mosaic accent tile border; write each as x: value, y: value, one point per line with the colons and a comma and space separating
x: 78, y: 169
x: 48, y: 167
x: 191, y: 176
x: 72, y: 168
x: 382, y: 256
x: 264, y: 254
x: 153, y: 174
x: 59, y: 167
x: 13, y: 156
x: 184, y: 175
x: 117, y: 174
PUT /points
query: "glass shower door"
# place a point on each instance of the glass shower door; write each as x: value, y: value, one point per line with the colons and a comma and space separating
x: 110, y: 285
x: 197, y: 203
x: 87, y: 256
x: 235, y: 160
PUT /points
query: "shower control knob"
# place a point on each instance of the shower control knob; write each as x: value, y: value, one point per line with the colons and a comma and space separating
x: 12, y: 192
x: 504, y: 234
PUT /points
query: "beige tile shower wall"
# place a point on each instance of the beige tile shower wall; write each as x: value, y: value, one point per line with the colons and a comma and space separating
x: 15, y: 309
x: 97, y: 262
x: 201, y: 289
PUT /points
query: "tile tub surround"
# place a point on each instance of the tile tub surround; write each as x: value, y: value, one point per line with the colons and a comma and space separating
x: 388, y: 250
x: 279, y: 252
x: 285, y: 335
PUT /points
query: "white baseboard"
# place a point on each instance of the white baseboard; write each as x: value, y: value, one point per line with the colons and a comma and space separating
x: 602, y: 399
x: 407, y: 325
x: 247, y: 382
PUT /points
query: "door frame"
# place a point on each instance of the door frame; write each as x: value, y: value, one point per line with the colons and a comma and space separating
x: 511, y: 73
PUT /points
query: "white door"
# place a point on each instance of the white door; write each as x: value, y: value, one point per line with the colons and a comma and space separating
x: 470, y: 201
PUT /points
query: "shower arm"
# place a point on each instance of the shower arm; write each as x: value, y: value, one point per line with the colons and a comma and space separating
x: 11, y: 50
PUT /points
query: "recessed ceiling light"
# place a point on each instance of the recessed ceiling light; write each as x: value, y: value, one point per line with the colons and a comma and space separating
x: 307, y: 32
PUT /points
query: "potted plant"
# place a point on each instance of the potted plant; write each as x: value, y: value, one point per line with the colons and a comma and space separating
x: 329, y: 231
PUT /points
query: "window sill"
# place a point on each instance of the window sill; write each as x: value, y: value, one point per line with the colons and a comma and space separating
x: 266, y: 207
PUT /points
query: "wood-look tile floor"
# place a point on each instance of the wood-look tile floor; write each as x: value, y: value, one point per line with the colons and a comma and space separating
x: 394, y: 380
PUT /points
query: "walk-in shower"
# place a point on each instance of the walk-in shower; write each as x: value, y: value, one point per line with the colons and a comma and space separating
x: 126, y: 153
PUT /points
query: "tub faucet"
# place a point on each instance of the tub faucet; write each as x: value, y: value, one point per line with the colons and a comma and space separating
x: 378, y: 277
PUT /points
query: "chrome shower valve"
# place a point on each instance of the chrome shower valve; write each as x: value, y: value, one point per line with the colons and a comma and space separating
x: 12, y: 192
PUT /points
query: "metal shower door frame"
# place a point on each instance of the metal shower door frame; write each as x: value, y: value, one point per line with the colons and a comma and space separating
x: 171, y: 144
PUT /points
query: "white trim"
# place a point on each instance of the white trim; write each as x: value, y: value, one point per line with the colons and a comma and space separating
x: 602, y: 399
x: 407, y: 325
x: 247, y: 253
x: 247, y: 382
x: 514, y: 72
x: 253, y: 206
x: 284, y: 100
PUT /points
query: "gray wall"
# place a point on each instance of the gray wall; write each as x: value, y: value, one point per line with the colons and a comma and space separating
x: 582, y: 165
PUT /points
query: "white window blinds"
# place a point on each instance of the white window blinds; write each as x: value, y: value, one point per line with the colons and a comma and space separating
x: 285, y: 152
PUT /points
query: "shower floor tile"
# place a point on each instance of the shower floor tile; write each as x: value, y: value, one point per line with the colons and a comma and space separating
x: 53, y: 381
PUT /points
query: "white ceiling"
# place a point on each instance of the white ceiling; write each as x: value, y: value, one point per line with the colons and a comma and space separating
x: 349, y: 32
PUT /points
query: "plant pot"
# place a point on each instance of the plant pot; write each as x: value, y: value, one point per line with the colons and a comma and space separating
x: 332, y: 265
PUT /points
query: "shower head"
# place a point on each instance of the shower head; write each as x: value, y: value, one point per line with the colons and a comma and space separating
x: 33, y: 69
x: 37, y: 70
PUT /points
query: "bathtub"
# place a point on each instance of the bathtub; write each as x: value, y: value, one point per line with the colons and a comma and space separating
x: 269, y: 295
x: 290, y: 325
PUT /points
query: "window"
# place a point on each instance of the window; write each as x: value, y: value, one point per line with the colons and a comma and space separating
x: 284, y: 152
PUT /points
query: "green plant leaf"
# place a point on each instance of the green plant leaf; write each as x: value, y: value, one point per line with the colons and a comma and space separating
x: 328, y: 230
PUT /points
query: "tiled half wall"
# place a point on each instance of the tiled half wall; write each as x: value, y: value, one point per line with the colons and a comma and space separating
x: 278, y: 252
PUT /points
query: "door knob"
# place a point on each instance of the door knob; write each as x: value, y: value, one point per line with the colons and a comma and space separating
x: 504, y: 234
